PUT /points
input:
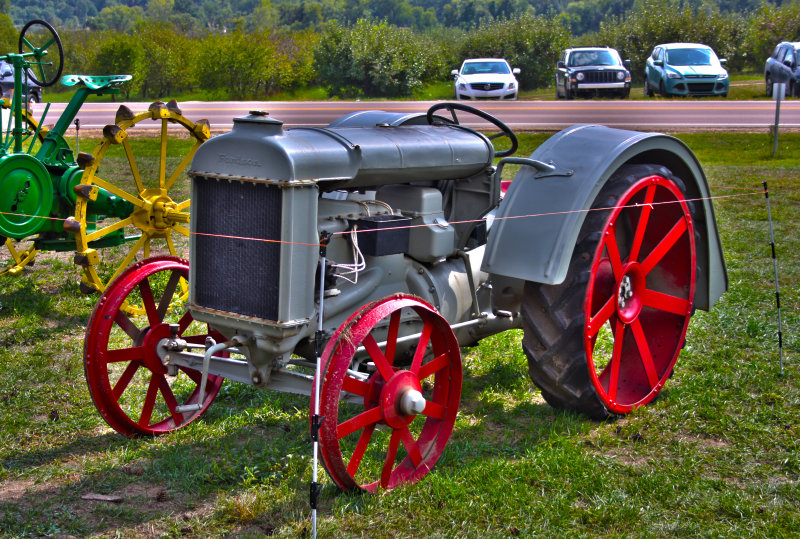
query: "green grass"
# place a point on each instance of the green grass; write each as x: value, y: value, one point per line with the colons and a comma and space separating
x: 717, y: 454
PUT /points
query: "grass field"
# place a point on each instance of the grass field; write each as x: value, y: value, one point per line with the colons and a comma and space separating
x: 717, y: 454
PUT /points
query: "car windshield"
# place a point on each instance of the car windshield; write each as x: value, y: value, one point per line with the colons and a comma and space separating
x: 593, y: 58
x: 475, y: 68
x: 691, y: 57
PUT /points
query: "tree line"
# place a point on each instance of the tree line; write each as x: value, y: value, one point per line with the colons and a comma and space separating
x: 580, y: 16
x: 369, y: 58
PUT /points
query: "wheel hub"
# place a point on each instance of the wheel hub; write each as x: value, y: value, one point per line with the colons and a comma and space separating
x: 158, y: 213
x: 629, y: 293
x: 401, y: 399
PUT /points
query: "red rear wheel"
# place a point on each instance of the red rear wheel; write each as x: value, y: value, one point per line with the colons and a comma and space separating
x: 133, y: 390
x: 606, y: 340
x: 390, y: 426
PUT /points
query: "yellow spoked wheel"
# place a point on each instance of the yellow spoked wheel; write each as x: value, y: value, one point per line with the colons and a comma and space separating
x: 16, y: 254
x: 144, y: 210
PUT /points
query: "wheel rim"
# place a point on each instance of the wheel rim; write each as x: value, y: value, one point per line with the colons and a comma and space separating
x: 150, y: 208
x: 404, y: 416
x: 640, y: 294
x: 131, y: 388
x: 20, y: 253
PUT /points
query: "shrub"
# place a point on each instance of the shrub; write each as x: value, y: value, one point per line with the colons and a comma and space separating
x: 651, y: 22
x: 375, y: 60
x: 530, y: 42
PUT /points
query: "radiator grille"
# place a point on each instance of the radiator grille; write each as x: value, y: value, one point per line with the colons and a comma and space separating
x: 234, y: 274
x: 486, y: 86
x: 701, y: 86
x: 601, y: 76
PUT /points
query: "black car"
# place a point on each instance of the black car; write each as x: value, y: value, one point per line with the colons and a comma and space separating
x: 782, y: 66
x: 7, y: 83
x: 592, y: 71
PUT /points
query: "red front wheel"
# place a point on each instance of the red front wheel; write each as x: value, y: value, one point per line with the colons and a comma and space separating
x: 386, y: 420
x: 131, y: 387
x: 606, y: 340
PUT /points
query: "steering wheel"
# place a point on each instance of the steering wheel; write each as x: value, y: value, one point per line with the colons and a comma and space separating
x: 505, y: 131
x: 35, y: 38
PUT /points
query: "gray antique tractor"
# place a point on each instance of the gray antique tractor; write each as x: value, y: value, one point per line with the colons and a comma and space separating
x: 352, y: 263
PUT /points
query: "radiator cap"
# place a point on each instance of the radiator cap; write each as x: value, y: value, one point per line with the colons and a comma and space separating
x: 267, y: 125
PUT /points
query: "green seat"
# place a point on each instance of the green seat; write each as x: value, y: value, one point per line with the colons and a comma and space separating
x: 95, y: 82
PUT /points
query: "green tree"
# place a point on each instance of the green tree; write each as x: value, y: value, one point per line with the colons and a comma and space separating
x: 121, y: 54
x: 532, y: 43
x: 767, y: 27
x: 370, y: 59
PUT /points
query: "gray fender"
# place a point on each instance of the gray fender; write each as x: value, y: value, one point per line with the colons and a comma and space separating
x: 539, y: 248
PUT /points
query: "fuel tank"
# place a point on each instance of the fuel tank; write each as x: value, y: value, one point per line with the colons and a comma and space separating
x: 258, y: 148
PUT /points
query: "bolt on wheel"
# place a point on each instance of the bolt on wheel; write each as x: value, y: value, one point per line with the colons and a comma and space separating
x: 144, y: 210
x: 134, y: 391
x: 384, y: 428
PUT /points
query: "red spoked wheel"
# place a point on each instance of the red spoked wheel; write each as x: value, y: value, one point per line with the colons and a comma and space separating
x: 640, y: 294
x: 606, y: 340
x: 133, y: 390
x: 391, y: 426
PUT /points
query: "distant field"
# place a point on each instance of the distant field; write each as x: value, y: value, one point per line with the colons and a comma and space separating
x: 717, y: 454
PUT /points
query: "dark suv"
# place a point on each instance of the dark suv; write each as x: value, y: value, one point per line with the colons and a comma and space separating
x: 7, y: 83
x: 592, y: 71
x: 782, y: 66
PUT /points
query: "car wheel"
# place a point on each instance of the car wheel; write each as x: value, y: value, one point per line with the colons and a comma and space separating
x: 648, y: 92
x: 34, y: 97
x: 793, y: 90
x: 768, y: 82
x: 625, y: 93
x: 662, y: 90
x: 568, y: 92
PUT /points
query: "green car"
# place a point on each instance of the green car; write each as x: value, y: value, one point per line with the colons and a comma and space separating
x: 685, y: 69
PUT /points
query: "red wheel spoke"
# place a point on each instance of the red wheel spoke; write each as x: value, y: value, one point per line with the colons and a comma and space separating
x: 434, y: 410
x: 433, y: 366
x: 169, y: 292
x: 602, y: 316
x: 647, y: 207
x: 613, y: 252
x: 127, y: 325
x: 422, y: 345
x: 169, y: 398
x: 184, y: 322
x: 149, y: 400
x: 666, y: 302
x: 361, y: 447
x: 391, y: 455
x: 358, y: 422
x: 377, y: 356
x: 644, y: 353
x: 194, y: 376
x: 355, y: 386
x: 391, y: 339
x: 664, y: 246
x: 613, y: 381
x: 411, y: 446
x: 125, y: 379
x: 135, y: 353
x: 148, y: 302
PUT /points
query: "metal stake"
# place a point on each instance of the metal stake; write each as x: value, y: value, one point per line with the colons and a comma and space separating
x: 775, y: 272
x: 315, y: 420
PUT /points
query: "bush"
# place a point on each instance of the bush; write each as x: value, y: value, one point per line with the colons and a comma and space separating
x: 766, y: 28
x: 375, y: 60
x: 665, y: 21
x: 120, y: 54
x: 531, y: 43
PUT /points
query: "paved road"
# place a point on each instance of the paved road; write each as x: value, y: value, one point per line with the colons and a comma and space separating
x: 655, y: 115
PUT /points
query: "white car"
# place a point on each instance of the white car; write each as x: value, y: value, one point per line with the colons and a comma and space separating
x: 486, y: 78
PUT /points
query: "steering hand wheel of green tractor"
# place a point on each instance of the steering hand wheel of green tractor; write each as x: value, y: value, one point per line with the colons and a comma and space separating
x: 505, y: 131
x: 36, y: 41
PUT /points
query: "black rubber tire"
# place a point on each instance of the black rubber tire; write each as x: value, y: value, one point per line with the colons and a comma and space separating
x: 768, y: 83
x: 553, y: 317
